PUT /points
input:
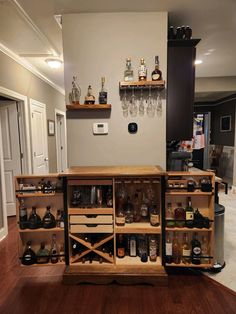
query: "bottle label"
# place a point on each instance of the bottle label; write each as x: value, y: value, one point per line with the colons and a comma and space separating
x: 186, y: 252
x: 155, y: 76
x: 133, y: 248
x: 169, y: 249
x: 142, y: 70
x: 197, y: 250
x: 120, y: 220
x: 189, y: 215
x: 23, y: 212
x: 103, y: 98
x: 154, y: 219
x: 144, y: 210
x: 121, y: 251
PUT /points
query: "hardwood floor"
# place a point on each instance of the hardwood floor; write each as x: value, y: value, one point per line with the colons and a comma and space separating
x: 39, y: 290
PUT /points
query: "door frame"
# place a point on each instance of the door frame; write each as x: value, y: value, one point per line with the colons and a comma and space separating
x: 60, y: 113
x: 4, y: 229
x: 44, y: 106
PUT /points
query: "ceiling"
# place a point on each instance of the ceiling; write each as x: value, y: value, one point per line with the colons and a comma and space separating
x: 30, y: 32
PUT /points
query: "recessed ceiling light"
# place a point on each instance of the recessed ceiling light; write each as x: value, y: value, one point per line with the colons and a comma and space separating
x: 207, y: 53
x: 198, y: 62
x: 54, y: 63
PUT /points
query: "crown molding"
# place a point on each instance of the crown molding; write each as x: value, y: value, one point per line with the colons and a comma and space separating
x: 29, y: 67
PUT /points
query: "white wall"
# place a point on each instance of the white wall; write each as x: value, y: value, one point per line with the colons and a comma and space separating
x: 97, y: 45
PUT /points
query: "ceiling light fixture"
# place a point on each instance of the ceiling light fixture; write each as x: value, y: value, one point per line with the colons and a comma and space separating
x: 198, y: 62
x: 54, y: 63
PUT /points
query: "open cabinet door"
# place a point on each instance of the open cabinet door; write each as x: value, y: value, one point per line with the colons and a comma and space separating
x: 3, y: 211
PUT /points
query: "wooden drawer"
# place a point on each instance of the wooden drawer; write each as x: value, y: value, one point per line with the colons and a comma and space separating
x: 91, y: 219
x: 91, y: 228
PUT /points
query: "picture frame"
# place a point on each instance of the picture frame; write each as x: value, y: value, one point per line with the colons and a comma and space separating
x: 225, y: 123
x: 51, y: 127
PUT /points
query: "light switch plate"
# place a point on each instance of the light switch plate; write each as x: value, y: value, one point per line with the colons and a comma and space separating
x: 100, y: 128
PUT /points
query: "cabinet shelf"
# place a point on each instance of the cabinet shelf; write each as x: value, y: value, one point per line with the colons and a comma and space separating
x: 43, y: 265
x: 90, y: 211
x: 37, y: 194
x: 134, y: 261
x: 189, y: 265
x: 138, y: 227
x: 189, y: 229
x: 57, y: 229
x: 189, y: 193
x: 77, y: 106
x: 142, y: 85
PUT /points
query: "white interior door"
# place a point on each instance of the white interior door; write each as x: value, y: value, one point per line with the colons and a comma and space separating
x: 61, y: 142
x: 11, y: 151
x: 39, y: 137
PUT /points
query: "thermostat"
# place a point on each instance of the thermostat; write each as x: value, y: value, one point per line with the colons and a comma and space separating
x: 100, y: 128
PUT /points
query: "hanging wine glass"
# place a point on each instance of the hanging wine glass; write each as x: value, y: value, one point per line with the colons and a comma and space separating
x: 159, y: 104
x: 141, y: 104
x: 125, y: 105
x: 150, y: 108
x: 133, y: 109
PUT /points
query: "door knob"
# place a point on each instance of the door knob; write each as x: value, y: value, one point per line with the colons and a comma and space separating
x: 46, y: 159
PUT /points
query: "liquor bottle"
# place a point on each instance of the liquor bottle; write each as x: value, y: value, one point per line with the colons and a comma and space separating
x: 154, y: 215
x: 188, y: 33
x: 129, y: 212
x: 49, y: 220
x: 186, y: 250
x: 120, y: 246
x: 54, y: 250
x: 89, y: 98
x: 120, y: 216
x: 22, y: 215
x: 99, y: 195
x: 176, y: 250
x: 183, y: 30
x: 156, y: 74
x: 34, y: 221
x: 169, y: 249
x: 29, y: 256
x: 179, y: 216
x: 205, y: 250
x: 152, y: 249
x: 136, y: 206
x: 189, y: 212
x: 128, y: 73
x: 144, y: 208
x: 171, y: 33
x: 132, y: 246
x: 109, y: 198
x: 170, y: 216
x: 196, y: 250
x: 103, y: 93
x: 142, y: 72
x: 42, y: 254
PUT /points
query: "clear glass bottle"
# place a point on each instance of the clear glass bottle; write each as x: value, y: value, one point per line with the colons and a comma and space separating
x: 74, y: 95
x: 49, y: 220
x: 34, y: 221
x: 156, y: 74
x: 144, y: 208
x: 189, y: 211
x: 29, y: 256
x: 186, y: 250
x: 152, y: 249
x: 22, y: 214
x: 196, y: 250
x: 42, y: 254
x: 205, y: 250
x: 129, y: 212
x: 169, y: 249
x: 128, y: 73
x: 54, y: 250
x: 179, y: 216
x: 170, y: 216
x: 120, y: 216
x: 142, y: 71
x: 102, y: 98
x: 154, y: 215
x: 176, y: 249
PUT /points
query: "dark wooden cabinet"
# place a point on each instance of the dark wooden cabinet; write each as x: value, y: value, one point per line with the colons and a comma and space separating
x: 180, y: 89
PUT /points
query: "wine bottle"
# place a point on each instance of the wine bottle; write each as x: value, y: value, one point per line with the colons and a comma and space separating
x: 29, y: 256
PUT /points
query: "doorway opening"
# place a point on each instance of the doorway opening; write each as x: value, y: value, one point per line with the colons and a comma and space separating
x: 61, y: 143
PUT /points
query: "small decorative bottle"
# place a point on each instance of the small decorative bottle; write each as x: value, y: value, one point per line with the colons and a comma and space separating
x: 156, y: 74
x: 102, y: 98
x: 128, y: 73
x: 89, y: 98
x: 74, y: 95
x: 142, y: 72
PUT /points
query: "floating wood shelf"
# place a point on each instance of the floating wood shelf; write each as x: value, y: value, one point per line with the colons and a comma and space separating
x: 76, y: 106
x: 143, y: 84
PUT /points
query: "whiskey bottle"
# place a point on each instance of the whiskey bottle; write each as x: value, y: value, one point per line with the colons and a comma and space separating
x: 42, y: 254
x: 154, y: 215
x: 89, y: 98
x: 133, y: 246
x: 142, y: 72
x: 156, y: 74
x: 49, y: 220
x: 120, y: 246
x: 54, y: 250
x: 189, y: 214
x: 29, y: 256
x: 34, y: 221
x: 186, y: 251
x: 22, y: 215
x: 169, y: 247
x: 176, y: 250
x: 152, y: 249
x: 205, y: 251
x: 179, y: 216
x: 102, y: 98
x: 170, y: 216
x: 128, y: 73
x: 120, y: 216
x: 196, y: 250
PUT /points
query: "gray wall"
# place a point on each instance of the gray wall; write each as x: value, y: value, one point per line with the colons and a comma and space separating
x: 15, y: 77
x: 97, y: 45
